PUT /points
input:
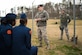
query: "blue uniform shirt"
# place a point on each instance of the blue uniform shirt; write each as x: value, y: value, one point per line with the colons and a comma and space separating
x: 1, y: 38
x: 7, y: 34
x: 2, y: 44
x: 21, y: 40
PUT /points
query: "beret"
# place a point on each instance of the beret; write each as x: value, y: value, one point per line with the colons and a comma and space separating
x: 23, y: 16
x: 11, y: 16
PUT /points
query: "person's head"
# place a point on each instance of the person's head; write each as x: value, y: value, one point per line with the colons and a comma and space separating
x: 23, y: 19
x: 3, y: 20
x: 40, y: 7
x: 63, y: 11
x: 10, y: 17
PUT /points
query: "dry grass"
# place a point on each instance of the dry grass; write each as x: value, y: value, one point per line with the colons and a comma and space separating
x: 53, y: 34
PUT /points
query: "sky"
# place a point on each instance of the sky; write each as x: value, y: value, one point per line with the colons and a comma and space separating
x: 5, y: 5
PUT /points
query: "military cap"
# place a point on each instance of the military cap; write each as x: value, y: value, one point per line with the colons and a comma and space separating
x: 11, y: 16
x: 23, y: 16
x: 41, y: 5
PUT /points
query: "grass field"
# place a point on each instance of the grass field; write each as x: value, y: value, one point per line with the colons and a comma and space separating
x: 58, y: 47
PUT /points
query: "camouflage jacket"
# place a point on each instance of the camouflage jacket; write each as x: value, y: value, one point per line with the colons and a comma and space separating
x: 64, y: 19
x: 44, y: 17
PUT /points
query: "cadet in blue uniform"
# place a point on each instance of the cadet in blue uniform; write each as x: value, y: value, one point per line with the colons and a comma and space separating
x: 22, y: 39
x: 6, y: 32
x: 2, y: 44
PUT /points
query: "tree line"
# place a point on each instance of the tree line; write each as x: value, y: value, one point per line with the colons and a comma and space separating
x: 53, y: 9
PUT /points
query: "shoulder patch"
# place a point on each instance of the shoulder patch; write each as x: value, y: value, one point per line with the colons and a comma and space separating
x: 9, y: 32
x: 30, y: 32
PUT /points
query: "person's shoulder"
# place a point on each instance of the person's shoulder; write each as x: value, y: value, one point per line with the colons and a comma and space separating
x: 67, y: 14
x: 45, y: 11
x: 0, y: 26
x: 37, y: 12
x: 8, y: 26
x: 15, y: 27
x: 27, y: 28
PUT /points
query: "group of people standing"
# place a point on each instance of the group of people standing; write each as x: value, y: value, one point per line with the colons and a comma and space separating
x: 16, y: 40
x: 41, y: 18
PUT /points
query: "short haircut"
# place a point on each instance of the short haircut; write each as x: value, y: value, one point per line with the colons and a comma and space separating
x: 23, y: 21
x: 41, y: 5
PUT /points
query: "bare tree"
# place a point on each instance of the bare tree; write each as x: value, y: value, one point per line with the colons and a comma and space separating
x: 63, y: 1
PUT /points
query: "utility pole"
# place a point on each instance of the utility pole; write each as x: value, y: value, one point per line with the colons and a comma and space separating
x: 33, y: 18
x: 81, y: 10
x: 74, y: 22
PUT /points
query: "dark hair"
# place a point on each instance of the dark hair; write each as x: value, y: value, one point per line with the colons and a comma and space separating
x: 10, y: 17
x: 3, y: 21
x: 23, y: 21
x: 41, y: 5
x: 10, y: 21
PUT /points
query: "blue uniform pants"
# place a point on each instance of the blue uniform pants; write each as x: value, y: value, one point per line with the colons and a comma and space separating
x: 34, y: 50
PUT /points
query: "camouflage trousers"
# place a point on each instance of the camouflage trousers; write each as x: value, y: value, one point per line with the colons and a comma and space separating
x: 64, y: 27
x: 42, y: 34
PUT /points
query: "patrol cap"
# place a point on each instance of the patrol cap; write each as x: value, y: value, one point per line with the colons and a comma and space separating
x: 41, y: 5
x: 11, y: 16
x: 23, y: 16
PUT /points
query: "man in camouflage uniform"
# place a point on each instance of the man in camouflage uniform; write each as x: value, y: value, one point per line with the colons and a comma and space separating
x: 64, y: 21
x: 41, y: 20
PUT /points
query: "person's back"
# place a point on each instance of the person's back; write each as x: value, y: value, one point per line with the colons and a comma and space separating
x: 21, y: 40
x: 2, y: 43
x: 6, y: 33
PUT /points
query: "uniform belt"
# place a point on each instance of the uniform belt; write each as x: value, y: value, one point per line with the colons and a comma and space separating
x: 41, y: 25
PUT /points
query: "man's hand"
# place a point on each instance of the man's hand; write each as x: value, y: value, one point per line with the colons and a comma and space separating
x: 38, y: 19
